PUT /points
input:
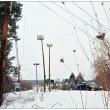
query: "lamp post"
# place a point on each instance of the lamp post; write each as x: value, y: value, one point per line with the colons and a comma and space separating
x: 36, y: 64
x: 49, y: 45
x: 41, y: 37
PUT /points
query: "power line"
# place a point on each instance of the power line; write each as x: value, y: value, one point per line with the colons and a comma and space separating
x: 81, y: 45
x: 78, y: 28
x: 67, y: 68
x: 90, y: 45
x: 56, y: 13
x: 85, y: 33
x: 75, y: 16
x: 76, y: 62
x: 62, y: 61
x: 88, y: 14
x: 105, y: 14
x: 67, y: 21
x: 96, y: 16
x: 83, y: 10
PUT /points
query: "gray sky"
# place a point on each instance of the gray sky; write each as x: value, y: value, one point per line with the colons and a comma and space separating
x: 37, y: 19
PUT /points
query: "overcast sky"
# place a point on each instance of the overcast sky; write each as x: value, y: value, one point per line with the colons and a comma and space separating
x: 37, y: 19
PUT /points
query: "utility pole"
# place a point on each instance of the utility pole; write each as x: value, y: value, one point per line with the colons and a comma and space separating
x: 78, y: 68
x: 41, y: 37
x: 49, y: 45
x: 3, y: 48
x: 36, y: 64
x: 18, y: 64
x: 76, y: 61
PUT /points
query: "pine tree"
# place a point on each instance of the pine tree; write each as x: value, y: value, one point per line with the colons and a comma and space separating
x: 72, y: 82
x: 14, y: 15
x: 80, y: 78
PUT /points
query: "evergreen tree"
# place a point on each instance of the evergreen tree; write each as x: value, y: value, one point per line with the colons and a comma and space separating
x: 72, y: 81
x: 14, y: 12
x: 14, y: 15
x: 80, y: 78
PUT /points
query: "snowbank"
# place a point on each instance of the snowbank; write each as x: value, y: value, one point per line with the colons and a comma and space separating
x: 56, y: 99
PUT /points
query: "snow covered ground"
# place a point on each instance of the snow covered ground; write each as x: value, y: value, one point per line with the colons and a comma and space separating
x: 56, y: 99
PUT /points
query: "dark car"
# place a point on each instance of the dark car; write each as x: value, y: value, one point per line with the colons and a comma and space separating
x: 97, y: 88
x: 84, y: 87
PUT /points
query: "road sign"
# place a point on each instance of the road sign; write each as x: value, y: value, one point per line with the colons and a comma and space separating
x: 17, y: 85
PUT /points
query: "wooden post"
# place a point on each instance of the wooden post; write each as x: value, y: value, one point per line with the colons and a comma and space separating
x: 43, y: 67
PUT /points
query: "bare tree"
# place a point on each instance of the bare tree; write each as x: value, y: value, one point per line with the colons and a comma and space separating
x: 102, y: 62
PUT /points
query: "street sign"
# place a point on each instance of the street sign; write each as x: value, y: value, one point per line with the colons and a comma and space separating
x: 17, y: 85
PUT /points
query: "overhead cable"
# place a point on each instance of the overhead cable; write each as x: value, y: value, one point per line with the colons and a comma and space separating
x: 75, y: 16
x: 88, y: 14
x: 96, y: 17
x: 67, y: 21
x: 81, y: 44
x: 105, y: 14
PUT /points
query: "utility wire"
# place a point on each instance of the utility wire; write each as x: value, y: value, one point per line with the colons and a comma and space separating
x: 62, y: 61
x: 83, y: 10
x: 81, y: 45
x: 85, y: 24
x: 96, y: 17
x: 56, y: 13
x: 67, y: 68
x: 67, y: 21
x: 76, y: 60
x: 88, y: 14
x: 81, y: 64
x: 75, y: 16
x: 78, y: 27
x: 90, y: 44
x: 86, y: 33
x: 94, y: 61
x: 105, y: 14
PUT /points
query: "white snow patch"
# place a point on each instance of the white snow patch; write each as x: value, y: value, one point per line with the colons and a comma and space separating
x: 56, y: 99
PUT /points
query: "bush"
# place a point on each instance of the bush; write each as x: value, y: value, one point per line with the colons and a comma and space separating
x: 8, y: 84
x: 25, y: 85
x: 65, y: 87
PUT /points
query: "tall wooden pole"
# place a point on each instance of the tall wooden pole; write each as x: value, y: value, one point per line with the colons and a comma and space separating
x: 36, y: 79
x: 36, y: 64
x: 43, y: 67
x: 49, y: 45
x: 3, y: 48
x: 41, y: 37
x: 18, y: 64
x: 49, y: 69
